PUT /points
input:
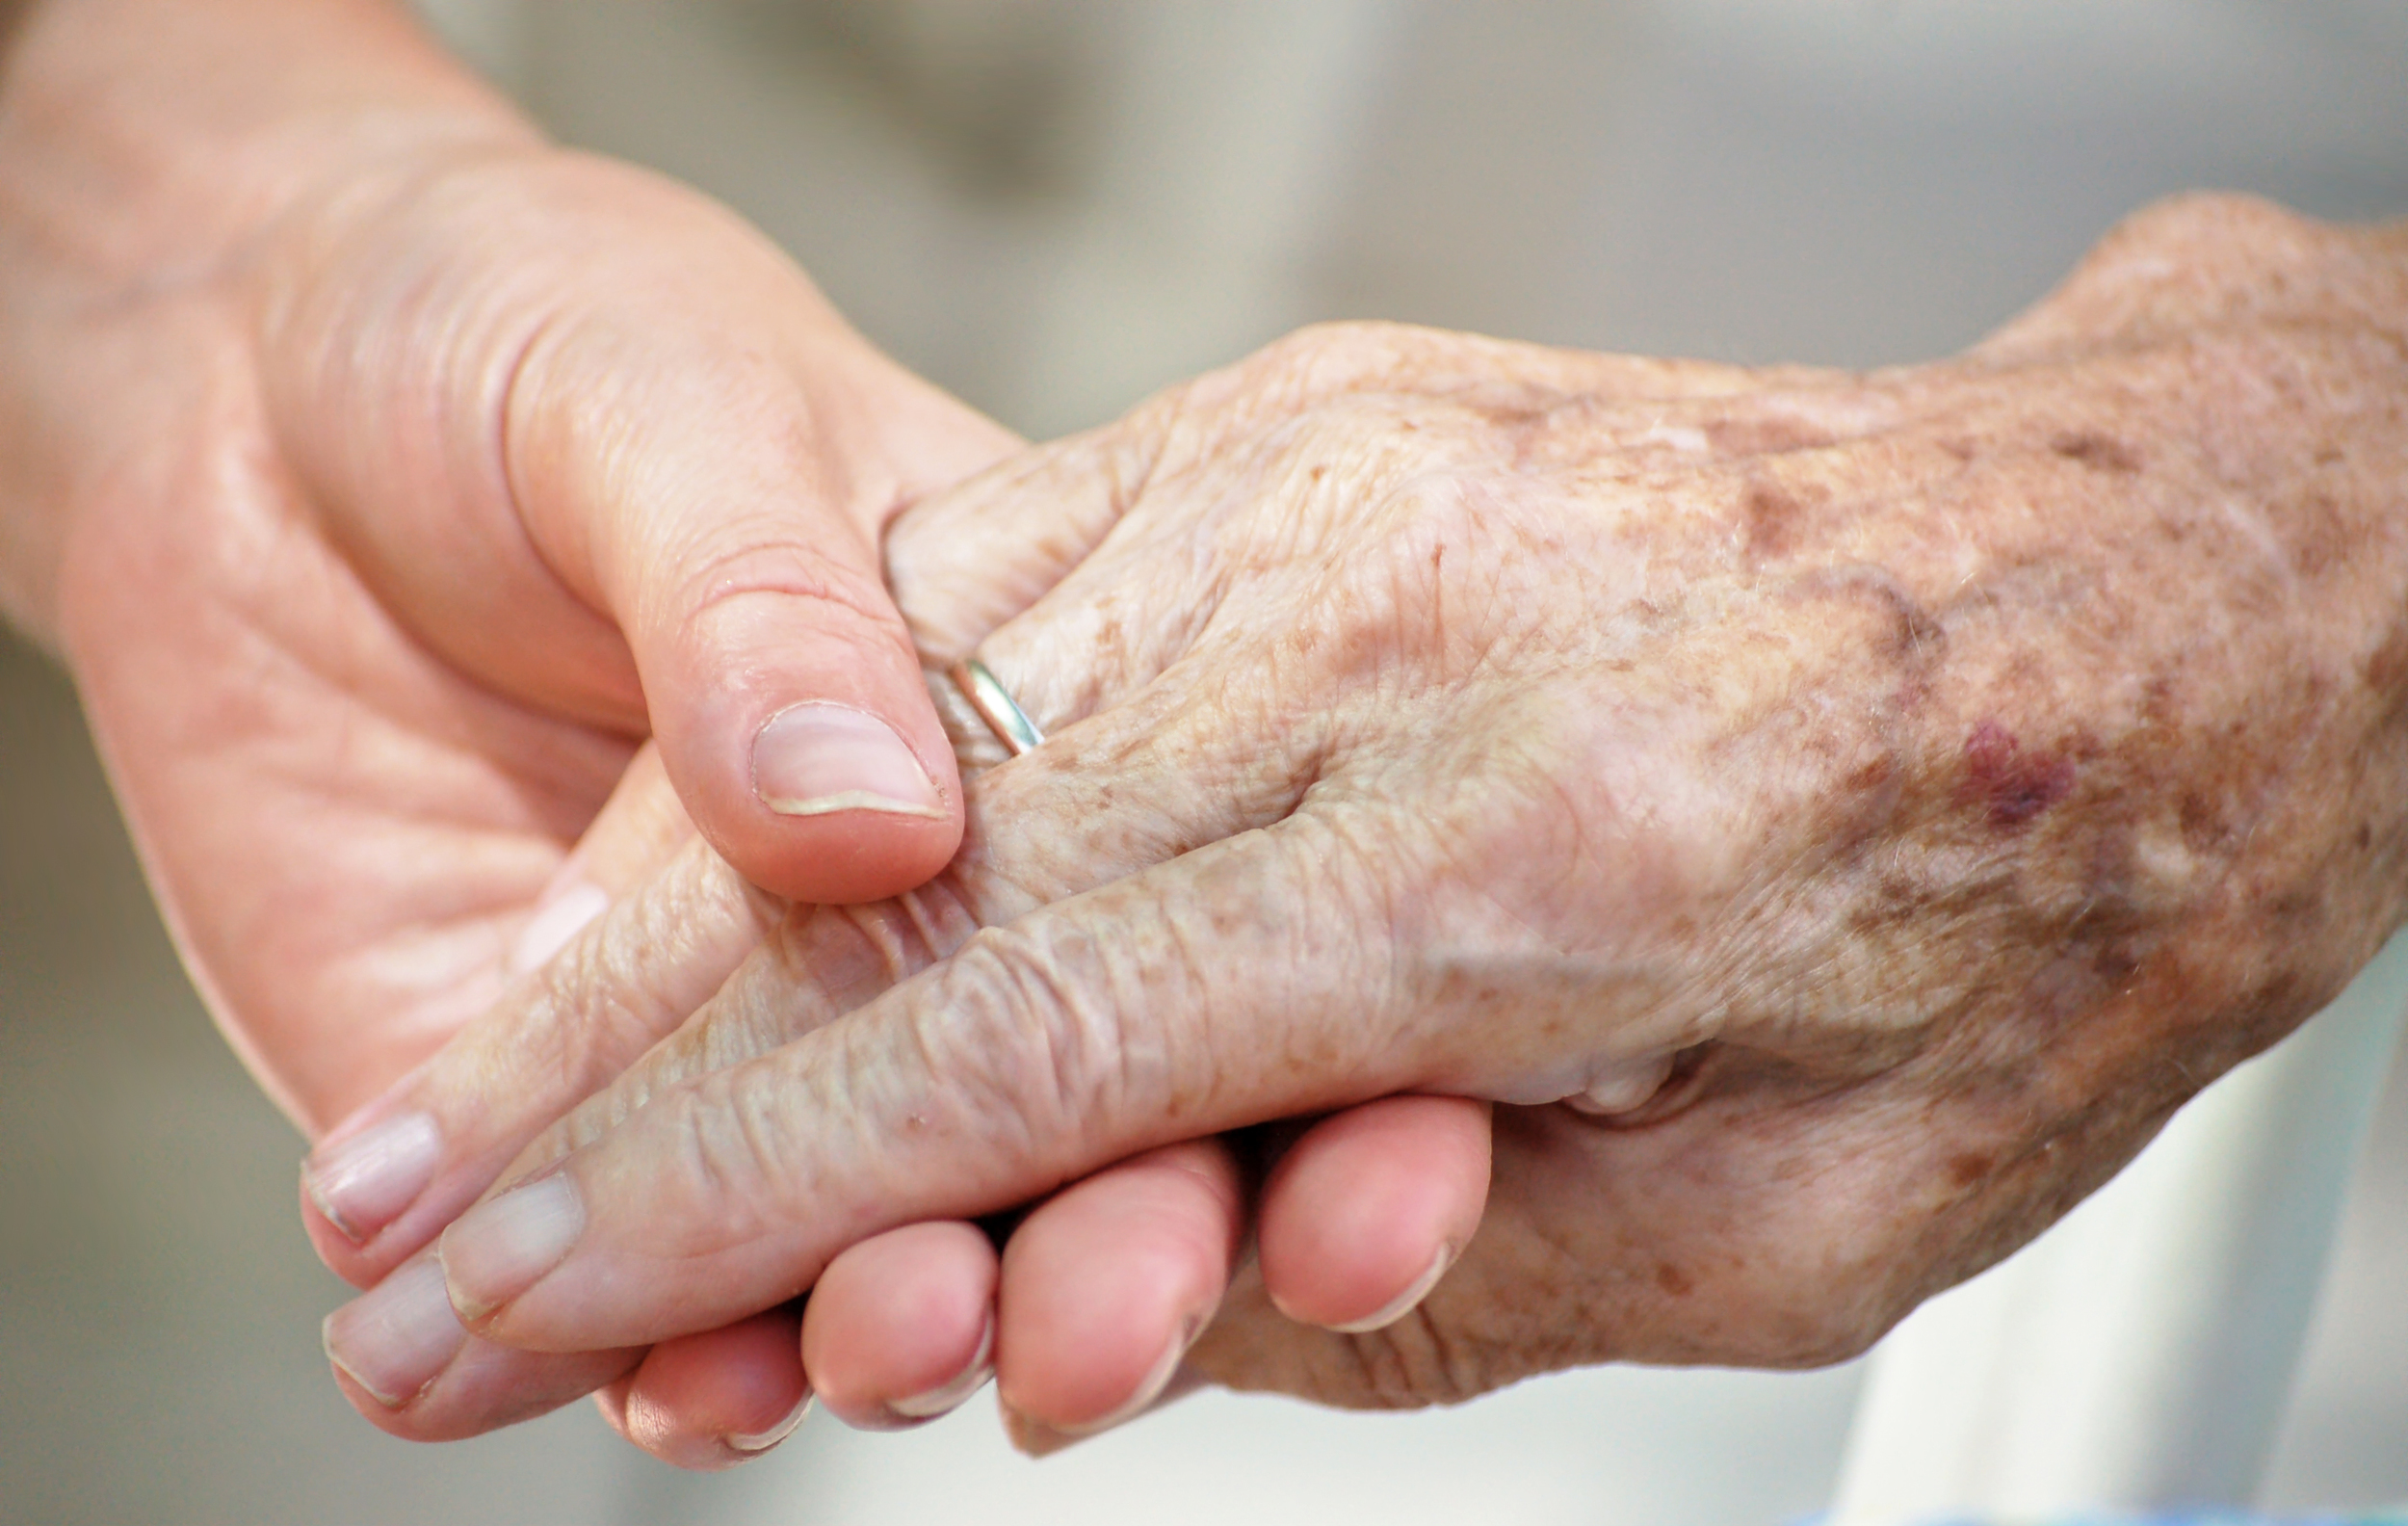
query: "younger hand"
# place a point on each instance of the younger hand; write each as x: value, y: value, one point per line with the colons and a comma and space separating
x: 384, y: 474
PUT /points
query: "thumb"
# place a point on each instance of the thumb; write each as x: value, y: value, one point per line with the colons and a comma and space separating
x: 726, y: 508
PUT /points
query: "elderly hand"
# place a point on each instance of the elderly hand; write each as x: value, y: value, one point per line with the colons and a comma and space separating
x: 1837, y: 817
x: 386, y: 474
x: 1403, y: 1177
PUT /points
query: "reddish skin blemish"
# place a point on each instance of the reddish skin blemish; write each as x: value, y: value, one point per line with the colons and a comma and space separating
x: 2012, y: 786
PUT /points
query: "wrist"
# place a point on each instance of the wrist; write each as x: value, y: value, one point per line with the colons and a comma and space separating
x: 147, y: 139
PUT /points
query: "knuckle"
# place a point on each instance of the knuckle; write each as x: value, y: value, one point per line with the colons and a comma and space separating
x: 1334, y: 359
x: 1021, y: 1041
x: 1344, y: 346
x: 759, y: 605
x: 2218, y: 214
x: 855, y: 952
x: 733, y: 1160
x: 2224, y: 243
x: 1317, y: 362
x: 747, y: 560
x: 1418, y: 1361
x: 590, y: 1016
x: 1420, y: 580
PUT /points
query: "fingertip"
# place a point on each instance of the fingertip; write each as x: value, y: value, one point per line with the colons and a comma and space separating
x: 1369, y: 1207
x: 835, y: 797
x: 610, y: 1402
x: 1107, y: 1285
x: 1405, y: 1301
x: 363, y: 1177
x: 788, y: 699
x: 1035, y: 1439
x: 407, y: 1365
x: 714, y: 1400
x: 861, y: 811
x: 901, y: 1328
x: 391, y: 1344
x: 337, y: 1250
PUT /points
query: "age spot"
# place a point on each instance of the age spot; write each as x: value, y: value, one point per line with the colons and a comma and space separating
x: 2097, y: 451
x: 1773, y: 522
x: 2012, y: 786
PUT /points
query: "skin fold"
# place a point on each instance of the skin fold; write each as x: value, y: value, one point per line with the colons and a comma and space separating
x: 1831, y: 818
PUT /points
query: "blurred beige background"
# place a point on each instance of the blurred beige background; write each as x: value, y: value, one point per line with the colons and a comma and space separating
x: 1052, y: 206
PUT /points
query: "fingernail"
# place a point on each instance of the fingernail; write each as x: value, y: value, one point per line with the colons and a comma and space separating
x: 814, y: 759
x: 499, y: 1248
x: 762, y: 1440
x: 1033, y: 1438
x: 362, y: 1182
x: 393, y: 1339
x: 1402, y: 1304
x: 1038, y: 1439
x: 555, y: 923
x: 946, y: 1397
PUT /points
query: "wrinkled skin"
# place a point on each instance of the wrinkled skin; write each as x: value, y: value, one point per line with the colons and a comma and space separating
x: 1409, y: 1171
x: 385, y: 474
x: 1926, y: 780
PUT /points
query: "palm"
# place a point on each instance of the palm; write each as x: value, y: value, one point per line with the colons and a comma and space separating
x: 345, y: 833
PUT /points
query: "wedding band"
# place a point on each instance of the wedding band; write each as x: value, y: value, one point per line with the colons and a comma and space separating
x: 995, y: 706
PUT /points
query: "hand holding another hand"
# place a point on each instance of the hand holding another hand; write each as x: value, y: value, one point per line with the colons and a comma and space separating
x: 1834, y: 819
x: 385, y: 474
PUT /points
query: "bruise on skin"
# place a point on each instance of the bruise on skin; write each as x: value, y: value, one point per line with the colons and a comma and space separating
x: 2098, y: 452
x: 2013, y: 786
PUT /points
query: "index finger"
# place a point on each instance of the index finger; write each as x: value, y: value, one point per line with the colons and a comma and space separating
x: 1085, y: 1032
